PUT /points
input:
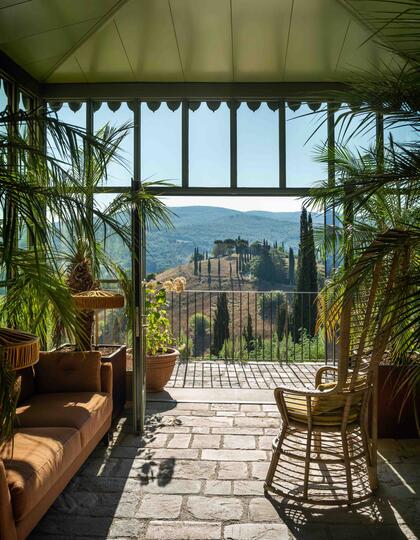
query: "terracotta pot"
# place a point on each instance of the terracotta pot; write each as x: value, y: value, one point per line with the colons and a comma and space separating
x: 397, y: 417
x: 159, y: 369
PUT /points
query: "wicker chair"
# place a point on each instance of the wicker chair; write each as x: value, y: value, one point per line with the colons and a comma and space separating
x: 326, y: 451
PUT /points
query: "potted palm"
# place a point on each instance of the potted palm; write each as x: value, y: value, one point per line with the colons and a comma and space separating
x: 50, y: 192
x: 376, y: 197
x: 161, y: 353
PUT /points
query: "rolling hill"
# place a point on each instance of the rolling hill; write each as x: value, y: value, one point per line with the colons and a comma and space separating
x: 199, y: 226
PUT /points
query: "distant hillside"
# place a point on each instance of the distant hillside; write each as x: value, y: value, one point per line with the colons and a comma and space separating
x: 199, y: 226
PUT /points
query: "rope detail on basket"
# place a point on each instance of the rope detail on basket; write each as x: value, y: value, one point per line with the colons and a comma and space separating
x: 98, y: 299
x: 21, y: 349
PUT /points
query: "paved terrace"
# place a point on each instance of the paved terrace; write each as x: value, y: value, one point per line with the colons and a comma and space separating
x: 198, y: 474
x: 252, y: 375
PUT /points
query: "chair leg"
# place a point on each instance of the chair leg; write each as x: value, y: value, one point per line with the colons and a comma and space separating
x: 275, y: 459
x: 307, y: 464
x: 372, y: 471
x: 347, y: 465
x: 317, y: 442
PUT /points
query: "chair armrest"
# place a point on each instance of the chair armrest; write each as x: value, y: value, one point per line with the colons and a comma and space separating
x: 301, y: 391
x: 321, y: 371
x: 7, y: 522
x: 106, y: 377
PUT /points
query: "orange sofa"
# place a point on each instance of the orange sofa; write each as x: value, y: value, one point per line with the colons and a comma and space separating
x: 64, y: 411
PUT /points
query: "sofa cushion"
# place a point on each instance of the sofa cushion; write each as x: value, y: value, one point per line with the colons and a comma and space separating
x: 40, y: 455
x: 85, y: 411
x: 59, y: 371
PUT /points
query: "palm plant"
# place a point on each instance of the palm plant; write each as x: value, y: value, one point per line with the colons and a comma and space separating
x: 44, y: 191
x: 376, y: 199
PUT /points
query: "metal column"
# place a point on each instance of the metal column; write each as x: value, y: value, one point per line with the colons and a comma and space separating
x: 138, y: 275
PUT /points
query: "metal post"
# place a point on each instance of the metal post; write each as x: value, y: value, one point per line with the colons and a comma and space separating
x: 233, y: 145
x: 138, y: 251
x: 185, y: 145
x: 282, y: 145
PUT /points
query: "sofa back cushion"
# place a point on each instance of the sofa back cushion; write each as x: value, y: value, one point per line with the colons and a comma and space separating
x: 25, y: 383
x: 59, y: 371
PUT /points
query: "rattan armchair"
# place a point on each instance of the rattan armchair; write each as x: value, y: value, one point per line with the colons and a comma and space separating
x: 326, y: 451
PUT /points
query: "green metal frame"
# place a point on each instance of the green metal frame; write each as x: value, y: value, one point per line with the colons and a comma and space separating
x: 136, y: 93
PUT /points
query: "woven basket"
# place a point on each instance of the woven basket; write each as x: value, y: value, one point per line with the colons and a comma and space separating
x: 20, y: 349
x: 99, y: 299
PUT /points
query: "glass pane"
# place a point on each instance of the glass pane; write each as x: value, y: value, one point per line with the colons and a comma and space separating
x: 120, y: 170
x: 401, y: 135
x: 209, y: 146
x: 301, y: 168
x: 161, y: 144
x: 3, y: 96
x: 258, y: 146
x: 110, y: 241
x: 356, y: 133
x: 75, y: 118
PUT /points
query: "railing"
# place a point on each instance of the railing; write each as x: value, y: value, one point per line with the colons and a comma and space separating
x: 263, y: 326
x: 273, y: 326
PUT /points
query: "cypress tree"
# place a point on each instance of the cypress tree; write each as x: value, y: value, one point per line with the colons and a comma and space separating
x: 209, y: 271
x: 230, y: 270
x: 291, y: 267
x: 312, y: 278
x: 195, y: 261
x: 220, y: 324
x: 304, y: 308
x: 218, y: 268
x: 280, y: 320
x: 248, y: 335
x: 301, y: 282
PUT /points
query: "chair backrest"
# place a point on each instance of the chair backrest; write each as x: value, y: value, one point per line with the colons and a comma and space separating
x: 366, y: 321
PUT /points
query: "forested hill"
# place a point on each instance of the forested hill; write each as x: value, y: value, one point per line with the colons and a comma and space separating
x: 199, y: 226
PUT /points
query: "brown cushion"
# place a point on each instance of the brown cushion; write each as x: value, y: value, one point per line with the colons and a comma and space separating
x: 40, y: 455
x: 25, y: 383
x: 86, y: 411
x: 60, y: 371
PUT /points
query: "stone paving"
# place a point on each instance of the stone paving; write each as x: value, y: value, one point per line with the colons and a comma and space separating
x: 197, y: 474
x: 256, y: 375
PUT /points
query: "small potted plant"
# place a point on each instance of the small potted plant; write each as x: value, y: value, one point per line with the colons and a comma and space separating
x: 161, y: 352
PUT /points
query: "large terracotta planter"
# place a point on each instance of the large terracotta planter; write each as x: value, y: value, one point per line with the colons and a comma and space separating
x: 396, y: 417
x: 159, y: 369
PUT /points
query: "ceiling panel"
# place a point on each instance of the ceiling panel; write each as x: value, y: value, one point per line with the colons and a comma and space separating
x: 203, y: 31
x: 39, y: 68
x: 398, y: 22
x: 359, y: 54
x: 316, y: 35
x: 260, y: 39
x: 101, y: 58
x: 40, y: 47
x: 31, y: 18
x: 148, y: 35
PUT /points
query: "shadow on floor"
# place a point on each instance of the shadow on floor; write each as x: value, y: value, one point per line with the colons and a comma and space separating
x: 394, y: 512
x: 106, y: 490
